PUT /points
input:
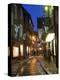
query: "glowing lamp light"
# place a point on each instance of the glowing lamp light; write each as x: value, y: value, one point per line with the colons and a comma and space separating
x: 40, y: 48
x: 46, y: 8
x: 33, y: 38
x: 50, y: 37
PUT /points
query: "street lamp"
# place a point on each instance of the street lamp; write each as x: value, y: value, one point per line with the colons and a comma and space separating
x: 46, y: 8
x: 48, y: 17
x: 33, y: 38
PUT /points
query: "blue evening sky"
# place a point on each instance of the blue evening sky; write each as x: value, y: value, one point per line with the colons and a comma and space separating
x: 35, y: 11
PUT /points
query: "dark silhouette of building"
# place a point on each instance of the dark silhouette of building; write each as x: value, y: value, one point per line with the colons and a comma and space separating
x: 20, y: 30
x: 51, y: 23
x: 55, y: 17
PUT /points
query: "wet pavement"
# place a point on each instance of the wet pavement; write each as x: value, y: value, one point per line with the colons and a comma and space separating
x: 31, y: 67
x: 35, y: 65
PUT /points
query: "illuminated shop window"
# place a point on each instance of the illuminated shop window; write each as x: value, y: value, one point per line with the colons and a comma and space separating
x: 28, y: 49
x: 21, y: 50
x: 50, y: 37
x: 15, y: 51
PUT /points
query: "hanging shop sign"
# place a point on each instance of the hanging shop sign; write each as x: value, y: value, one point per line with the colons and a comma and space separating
x: 21, y: 31
x: 16, y: 31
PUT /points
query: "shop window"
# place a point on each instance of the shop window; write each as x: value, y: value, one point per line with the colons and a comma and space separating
x: 15, y: 51
x: 21, y: 50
